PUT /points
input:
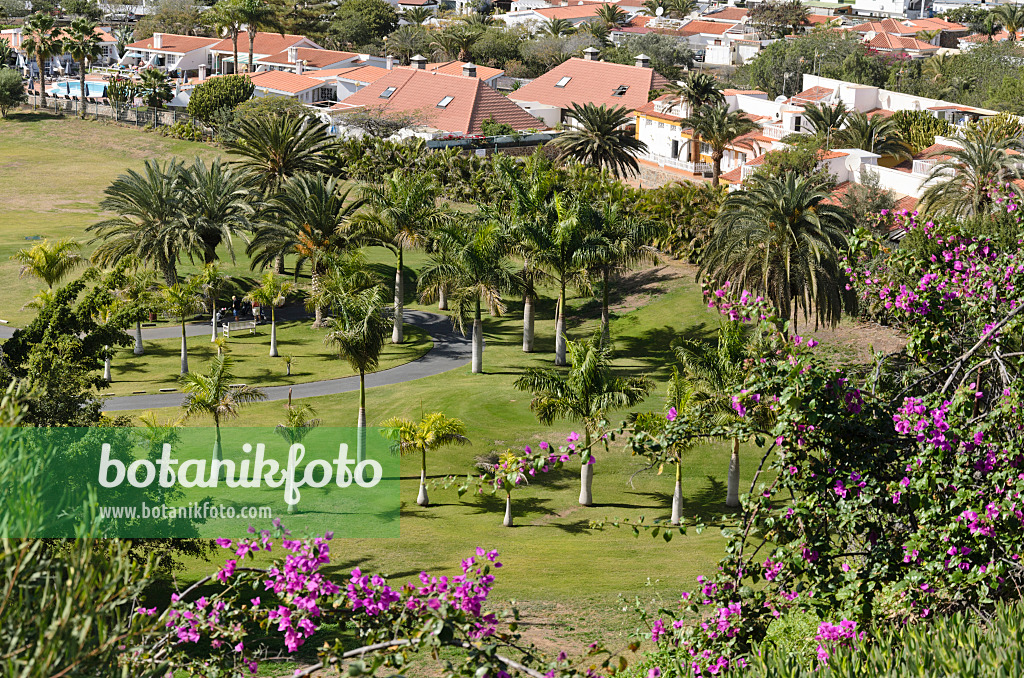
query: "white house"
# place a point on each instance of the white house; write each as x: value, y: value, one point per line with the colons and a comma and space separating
x: 265, y: 45
x: 59, y: 64
x: 169, y: 51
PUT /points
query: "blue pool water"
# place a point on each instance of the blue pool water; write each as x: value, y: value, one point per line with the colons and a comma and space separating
x: 93, y: 89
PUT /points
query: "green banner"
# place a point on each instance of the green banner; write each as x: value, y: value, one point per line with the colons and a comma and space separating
x: 160, y: 482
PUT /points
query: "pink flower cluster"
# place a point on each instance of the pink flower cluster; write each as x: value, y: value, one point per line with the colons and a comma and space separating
x: 831, y: 635
x: 742, y: 305
x: 928, y: 425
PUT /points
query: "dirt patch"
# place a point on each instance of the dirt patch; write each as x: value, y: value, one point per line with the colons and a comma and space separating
x: 544, y: 520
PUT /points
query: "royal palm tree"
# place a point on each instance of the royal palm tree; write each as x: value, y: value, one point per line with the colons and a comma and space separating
x: 1011, y: 15
x: 876, y: 134
x: 360, y: 333
x: 959, y: 184
x: 401, y: 213
x: 780, y: 237
x: 210, y: 281
x: 138, y: 289
x: 599, y: 138
x: 50, y: 261
x: 695, y: 90
x: 270, y: 294
x: 826, y: 120
x: 257, y: 15
x: 556, y: 27
x: 147, y: 225
x: 41, y: 42
x: 619, y: 242
x: 586, y: 394
x: 476, y: 271
x: 213, y: 394
x: 611, y: 15
x: 226, y: 20
x: 432, y: 432
x: 181, y: 300
x: 312, y: 218
x: 415, y: 16
x: 717, y: 127
x: 82, y: 43
x: 216, y: 205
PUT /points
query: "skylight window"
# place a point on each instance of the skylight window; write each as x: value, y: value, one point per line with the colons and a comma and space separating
x: 620, y: 91
x: 386, y: 94
x: 563, y: 82
x: 443, y: 103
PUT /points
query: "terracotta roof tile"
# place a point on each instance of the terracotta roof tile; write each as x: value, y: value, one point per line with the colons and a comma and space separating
x: 591, y: 82
x: 727, y: 14
x: 314, y: 58
x: 363, y: 74
x: 419, y: 93
x: 649, y: 111
x: 698, y: 27
x: 265, y: 43
x: 729, y: 92
x: 580, y: 11
x: 284, y: 81
x: 887, y: 41
x: 178, y: 44
x: 812, y: 95
x: 455, y: 68
x: 838, y: 193
x: 980, y: 37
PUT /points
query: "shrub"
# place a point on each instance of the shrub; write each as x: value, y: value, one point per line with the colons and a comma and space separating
x: 224, y: 92
x: 492, y: 128
x: 12, y: 90
x: 919, y: 128
x: 187, y: 130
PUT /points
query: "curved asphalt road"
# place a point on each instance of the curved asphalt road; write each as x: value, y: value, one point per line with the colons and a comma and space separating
x: 450, y: 350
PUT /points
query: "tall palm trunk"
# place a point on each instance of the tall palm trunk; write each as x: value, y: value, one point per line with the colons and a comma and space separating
x: 42, y: 78
x: 184, y: 349
x: 138, y: 338
x: 361, y: 422
x: 252, y: 40
x: 213, y: 319
x: 442, y: 298
x: 732, y: 497
x: 508, y: 510
x: 279, y: 264
x: 422, y: 499
x: 716, y: 167
x: 478, y: 340
x: 560, y: 328
x: 677, y: 494
x: 314, y: 283
x: 587, y: 477
x: 81, y: 84
x: 106, y: 368
x: 273, y: 333
x: 217, y: 454
x: 606, y: 332
x: 528, y: 312
x: 396, y: 333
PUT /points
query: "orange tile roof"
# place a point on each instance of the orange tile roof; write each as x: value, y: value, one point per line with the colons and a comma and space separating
x: 284, y: 81
x: 747, y: 140
x: 580, y: 11
x: 265, y: 43
x: 363, y: 74
x: 729, y: 92
x: 879, y: 111
x: 314, y: 58
x: 812, y: 95
x: 698, y: 27
x: 888, y: 41
x: 819, y: 18
x: 733, y: 176
x: 178, y: 44
x: 910, y: 27
x: 419, y: 93
x: 907, y: 202
x: 591, y: 82
x: 831, y: 155
x: 980, y: 37
x: 455, y: 68
x: 649, y: 111
x: 727, y: 14
x: 838, y: 193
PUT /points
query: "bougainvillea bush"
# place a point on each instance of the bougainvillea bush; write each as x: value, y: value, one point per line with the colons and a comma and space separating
x: 880, y: 499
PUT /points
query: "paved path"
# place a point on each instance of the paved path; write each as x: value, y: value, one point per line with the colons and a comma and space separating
x: 450, y: 350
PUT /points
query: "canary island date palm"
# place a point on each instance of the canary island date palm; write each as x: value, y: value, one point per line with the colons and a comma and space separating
x: 556, y: 27
x: 876, y: 134
x: 718, y: 127
x: 401, y: 213
x: 825, y: 120
x: 781, y: 238
x: 257, y: 15
x: 586, y: 394
x: 82, y: 43
x: 270, y: 294
x: 181, y: 300
x: 1011, y: 16
x: 41, y: 41
x: 959, y: 184
x: 432, y: 432
x: 598, y: 137
x: 695, y: 90
x: 49, y: 261
x: 213, y: 394
x: 476, y: 271
x: 216, y: 207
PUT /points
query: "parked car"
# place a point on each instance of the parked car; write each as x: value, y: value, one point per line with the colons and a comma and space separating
x: 698, y: 55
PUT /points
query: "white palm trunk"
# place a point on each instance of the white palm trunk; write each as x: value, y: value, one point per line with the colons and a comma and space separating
x: 508, y: 511
x: 138, y: 338
x: 422, y: 499
x: 528, y: 324
x: 273, y: 334
x: 732, y: 497
x: 587, y: 485
x: 442, y: 299
x: 478, y: 342
x: 560, y: 330
x: 213, y: 326
x: 184, y: 351
x: 396, y: 332
x: 106, y: 370
x: 677, y: 496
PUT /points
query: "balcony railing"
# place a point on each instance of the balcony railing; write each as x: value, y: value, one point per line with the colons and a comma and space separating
x: 923, y: 166
x: 774, y: 131
x: 666, y: 161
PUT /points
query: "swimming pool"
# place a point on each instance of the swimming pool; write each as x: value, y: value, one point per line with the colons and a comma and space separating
x: 92, y: 88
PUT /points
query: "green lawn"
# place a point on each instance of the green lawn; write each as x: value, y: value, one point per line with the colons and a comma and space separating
x: 159, y: 366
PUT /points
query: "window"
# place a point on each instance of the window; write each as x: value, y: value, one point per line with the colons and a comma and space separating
x: 443, y: 103
x: 620, y: 91
x: 797, y: 121
x: 563, y: 82
x: 386, y: 94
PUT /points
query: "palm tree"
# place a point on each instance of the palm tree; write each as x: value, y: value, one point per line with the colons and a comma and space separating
x: 433, y: 431
x: 928, y: 36
x: 215, y: 206
x: 401, y: 212
x: 718, y: 127
x: 311, y: 218
x: 988, y: 25
x: 270, y: 294
x: 456, y: 42
x: 210, y: 281
x: 182, y: 300
x: 226, y: 20
x: 959, y: 184
x: 619, y: 243
x: 104, y: 314
x: 696, y: 90
x: 876, y: 134
x: 781, y: 238
x: 826, y: 120
x: 82, y: 43
x: 42, y: 43
x: 586, y: 394
x: 611, y: 16
x: 935, y: 66
x: 556, y: 27
x: 361, y: 334
x: 300, y: 420
x: 273, y: 148
x: 1012, y: 17
x: 49, y: 261
x: 415, y: 16
x: 407, y: 40
x: 679, y: 9
x: 148, y: 218
x: 598, y: 30
x: 212, y: 394
x: 138, y: 289
x: 155, y: 88
x: 476, y: 271
x: 600, y: 139
x: 257, y: 15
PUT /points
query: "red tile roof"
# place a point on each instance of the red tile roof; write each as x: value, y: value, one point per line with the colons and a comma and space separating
x: 812, y: 95
x: 314, y: 58
x: 909, y: 27
x: 888, y: 41
x: 879, y: 111
x: 698, y: 27
x: 178, y: 44
x: 419, y: 93
x: 265, y: 43
x: 591, y: 82
x: 284, y: 81
x: 831, y: 155
x: 455, y: 68
x: 729, y: 92
x: 747, y: 140
x: 649, y: 111
x: 580, y: 11
x: 363, y: 74
x: 727, y: 14
x: 980, y: 37
x: 907, y: 202
x: 838, y: 193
